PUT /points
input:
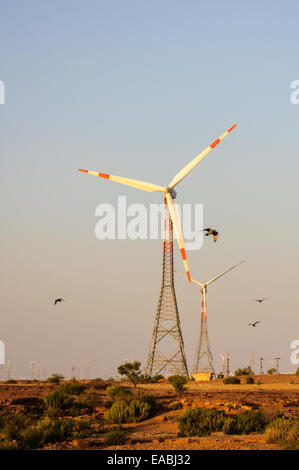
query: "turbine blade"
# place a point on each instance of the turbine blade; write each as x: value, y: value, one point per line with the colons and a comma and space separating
x: 186, y: 170
x: 222, y: 274
x: 178, y: 231
x: 192, y: 280
x: 127, y: 181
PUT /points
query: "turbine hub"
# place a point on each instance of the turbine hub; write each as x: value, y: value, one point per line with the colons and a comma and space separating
x: 172, y: 192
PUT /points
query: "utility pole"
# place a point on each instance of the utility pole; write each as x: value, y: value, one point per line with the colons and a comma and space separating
x: 227, y: 369
x: 277, y: 359
x: 252, y: 363
x: 261, y: 366
x: 44, y: 371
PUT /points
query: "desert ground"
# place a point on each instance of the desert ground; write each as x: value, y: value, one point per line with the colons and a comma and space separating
x: 160, y: 432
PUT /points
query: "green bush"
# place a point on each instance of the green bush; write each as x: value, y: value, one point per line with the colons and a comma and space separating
x: 147, y: 379
x: 115, y: 437
x: 158, y: 377
x: 231, y: 380
x: 72, y: 388
x: 55, y: 378
x: 14, y: 426
x: 128, y: 412
x: 47, y: 431
x: 297, y: 371
x: 250, y: 421
x: 58, y: 400
x: 271, y: 414
x: 201, y: 422
x: 284, y: 432
x: 250, y: 379
x: 32, y: 438
x: 11, y: 381
x: 271, y: 371
x: 51, y: 431
x: 230, y: 426
x: 178, y: 382
x: 244, y: 423
x: 150, y: 399
x: 90, y: 399
x: 244, y: 371
x: 118, y: 392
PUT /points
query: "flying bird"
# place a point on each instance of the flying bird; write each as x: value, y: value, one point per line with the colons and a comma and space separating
x: 58, y: 300
x: 211, y: 231
x: 260, y: 300
x: 254, y: 323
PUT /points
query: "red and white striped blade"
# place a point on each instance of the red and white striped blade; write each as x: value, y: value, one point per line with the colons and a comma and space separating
x: 127, y: 181
x: 186, y: 170
x: 224, y: 272
x: 178, y: 231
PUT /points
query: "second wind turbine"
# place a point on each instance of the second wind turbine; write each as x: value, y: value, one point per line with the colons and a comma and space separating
x: 203, y: 360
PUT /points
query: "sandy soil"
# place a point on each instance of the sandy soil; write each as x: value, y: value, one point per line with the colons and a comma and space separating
x: 279, y: 392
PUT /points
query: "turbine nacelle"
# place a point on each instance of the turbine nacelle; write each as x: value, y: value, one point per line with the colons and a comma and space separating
x: 171, y: 191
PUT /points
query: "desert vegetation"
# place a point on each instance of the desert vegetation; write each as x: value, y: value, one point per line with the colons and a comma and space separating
x: 149, y: 413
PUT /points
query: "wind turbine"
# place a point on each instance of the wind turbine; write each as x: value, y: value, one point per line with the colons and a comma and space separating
x: 225, y: 364
x: 168, y: 191
x: 167, y: 323
x: 203, y: 360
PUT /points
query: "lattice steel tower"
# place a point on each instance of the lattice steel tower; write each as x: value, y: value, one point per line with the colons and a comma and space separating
x: 166, y: 353
x: 203, y: 360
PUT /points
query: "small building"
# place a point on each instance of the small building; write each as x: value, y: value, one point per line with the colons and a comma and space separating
x: 202, y: 376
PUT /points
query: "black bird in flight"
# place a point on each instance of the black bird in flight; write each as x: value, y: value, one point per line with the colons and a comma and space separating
x: 211, y: 231
x: 58, y: 300
x: 260, y: 300
x: 254, y: 323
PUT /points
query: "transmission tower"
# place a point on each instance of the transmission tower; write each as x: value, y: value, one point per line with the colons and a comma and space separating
x: 277, y: 359
x: 166, y: 352
x: 203, y: 360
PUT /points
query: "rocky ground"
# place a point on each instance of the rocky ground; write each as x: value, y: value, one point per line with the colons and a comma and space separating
x: 279, y: 392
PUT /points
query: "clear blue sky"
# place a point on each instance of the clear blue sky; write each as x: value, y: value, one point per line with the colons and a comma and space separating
x: 137, y: 89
